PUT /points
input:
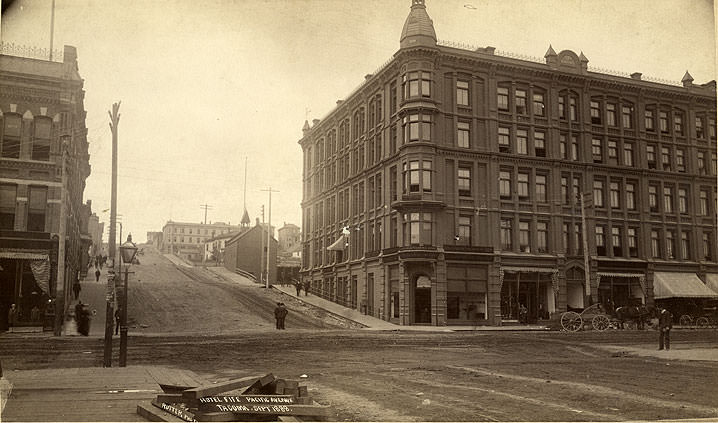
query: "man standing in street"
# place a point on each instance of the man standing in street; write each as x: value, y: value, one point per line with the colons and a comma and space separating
x: 118, y: 317
x: 76, y: 288
x: 665, y: 324
x: 280, y: 312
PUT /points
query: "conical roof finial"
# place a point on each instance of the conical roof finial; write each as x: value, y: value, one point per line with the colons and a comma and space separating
x: 550, y: 52
x: 687, y: 80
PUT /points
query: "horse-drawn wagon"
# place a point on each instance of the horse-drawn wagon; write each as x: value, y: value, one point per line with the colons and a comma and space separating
x: 593, y: 315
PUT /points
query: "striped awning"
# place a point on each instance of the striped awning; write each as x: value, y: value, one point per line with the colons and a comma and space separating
x: 23, y: 255
x: 680, y: 285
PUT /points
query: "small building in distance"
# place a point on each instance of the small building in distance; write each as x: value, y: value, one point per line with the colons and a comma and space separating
x: 214, y: 247
x: 186, y: 240
x: 246, y: 253
x: 154, y: 239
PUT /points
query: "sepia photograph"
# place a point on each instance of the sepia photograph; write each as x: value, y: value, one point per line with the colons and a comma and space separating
x: 358, y: 211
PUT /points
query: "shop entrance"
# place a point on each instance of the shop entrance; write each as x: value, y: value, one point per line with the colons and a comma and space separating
x: 422, y: 300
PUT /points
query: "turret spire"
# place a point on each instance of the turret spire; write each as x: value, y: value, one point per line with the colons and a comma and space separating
x: 418, y: 28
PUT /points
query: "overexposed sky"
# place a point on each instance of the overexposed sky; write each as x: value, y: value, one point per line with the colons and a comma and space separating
x: 204, y: 84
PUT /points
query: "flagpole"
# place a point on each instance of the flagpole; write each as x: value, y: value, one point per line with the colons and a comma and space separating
x: 52, y: 28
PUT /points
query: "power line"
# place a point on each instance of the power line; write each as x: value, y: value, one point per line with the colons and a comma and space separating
x: 205, y: 207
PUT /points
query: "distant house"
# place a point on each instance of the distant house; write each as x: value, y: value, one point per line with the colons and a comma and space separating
x: 246, y: 252
x: 214, y: 247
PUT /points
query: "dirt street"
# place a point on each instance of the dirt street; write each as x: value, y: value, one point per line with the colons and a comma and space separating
x: 197, y: 321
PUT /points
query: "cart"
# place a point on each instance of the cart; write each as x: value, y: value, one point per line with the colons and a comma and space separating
x: 593, y: 315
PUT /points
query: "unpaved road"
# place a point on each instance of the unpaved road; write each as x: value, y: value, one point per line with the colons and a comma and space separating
x: 412, y: 376
x: 195, y: 320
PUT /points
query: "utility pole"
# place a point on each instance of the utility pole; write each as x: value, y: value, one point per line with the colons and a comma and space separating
x: 269, y: 231
x: 261, y: 253
x: 52, y: 28
x: 109, y: 312
x: 586, y: 271
x: 60, y: 284
x: 205, y: 207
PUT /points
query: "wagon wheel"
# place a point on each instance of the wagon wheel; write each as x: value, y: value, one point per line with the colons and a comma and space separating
x: 703, y: 322
x: 571, y: 321
x: 686, y: 320
x: 600, y: 323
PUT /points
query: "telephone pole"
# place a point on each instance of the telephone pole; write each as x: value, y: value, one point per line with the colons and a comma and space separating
x: 109, y: 312
x: 586, y: 271
x: 269, y: 230
x: 205, y: 207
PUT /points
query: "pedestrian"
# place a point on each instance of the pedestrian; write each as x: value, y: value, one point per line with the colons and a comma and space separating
x: 307, y: 285
x: 280, y: 312
x: 78, y: 313
x: 35, y: 314
x: 76, y: 288
x: 97, y: 275
x: 523, y: 314
x: 118, y: 316
x: 83, y: 325
x: 665, y: 324
x: 298, y: 285
x: 11, y: 317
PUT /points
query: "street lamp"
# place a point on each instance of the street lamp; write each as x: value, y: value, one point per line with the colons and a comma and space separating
x: 127, y: 252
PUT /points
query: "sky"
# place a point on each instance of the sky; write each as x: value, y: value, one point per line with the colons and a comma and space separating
x: 205, y: 85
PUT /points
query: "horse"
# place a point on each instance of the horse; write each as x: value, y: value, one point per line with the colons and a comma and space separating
x: 639, y: 314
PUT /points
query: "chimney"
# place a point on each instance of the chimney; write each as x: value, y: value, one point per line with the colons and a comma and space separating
x: 315, y: 122
x: 339, y: 102
x: 367, y: 76
x: 636, y: 76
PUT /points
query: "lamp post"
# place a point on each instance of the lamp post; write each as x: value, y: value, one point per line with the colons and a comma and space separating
x: 127, y: 251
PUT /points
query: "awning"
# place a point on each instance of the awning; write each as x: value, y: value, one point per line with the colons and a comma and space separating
x: 22, y: 255
x: 338, y: 245
x: 712, y: 281
x: 679, y: 285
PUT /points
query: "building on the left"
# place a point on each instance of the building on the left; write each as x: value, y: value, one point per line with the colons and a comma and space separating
x: 44, y: 163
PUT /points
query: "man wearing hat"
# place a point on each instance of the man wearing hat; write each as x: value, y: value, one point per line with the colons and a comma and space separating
x: 280, y: 312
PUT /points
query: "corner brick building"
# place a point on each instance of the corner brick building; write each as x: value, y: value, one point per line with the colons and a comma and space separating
x: 456, y: 184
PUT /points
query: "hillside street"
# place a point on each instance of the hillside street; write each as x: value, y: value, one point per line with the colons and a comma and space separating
x: 194, y: 319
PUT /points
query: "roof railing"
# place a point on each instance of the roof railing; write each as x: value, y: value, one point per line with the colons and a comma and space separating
x: 31, y: 52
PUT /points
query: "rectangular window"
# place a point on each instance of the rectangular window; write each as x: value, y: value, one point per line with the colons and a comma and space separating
x: 506, y: 235
x: 630, y: 196
x: 655, y: 244
x: 11, y: 137
x: 524, y: 237
x: 392, y: 139
x: 541, y: 188
x: 685, y: 245
x: 542, y: 237
x: 701, y: 163
x: 417, y: 228
x: 666, y: 158
x: 426, y: 176
x: 682, y: 201
x: 562, y: 107
x: 522, y: 141
x: 574, y: 147
x: 565, y: 196
x: 597, y: 150
x: 417, y: 84
x: 668, y: 199
x: 627, y: 117
x: 394, y: 103
x: 572, y: 109
x: 615, y: 195
x: 612, y: 152
x: 393, y: 182
x: 540, y: 144
x: 505, y: 184
x: 650, y: 120
x: 464, y: 231
x: 563, y: 147
x: 502, y: 99
x: 627, y: 154
x: 600, y: 240
x: 411, y: 177
x: 632, y: 242
x: 539, y: 107
x: 704, y: 203
x: 680, y: 160
x: 463, y: 135
x: 707, y: 246
x: 678, y: 124
x: 379, y: 193
x: 462, y: 93
x: 598, y: 193
x: 464, y: 181
x: 699, y: 128
x: 522, y: 186
x: 504, y: 140
x: 578, y: 238
x: 651, y: 156
x: 37, y: 205
x: 576, y: 185
x: 595, y: 113
x: 670, y: 245
x: 41, y: 140
x: 521, y: 102
x: 8, y: 200
x: 565, y: 238
x: 712, y: 128
x: 611, y: 114
x: 616, y: 241
x: 663, y: 121
x: 653, y: 198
